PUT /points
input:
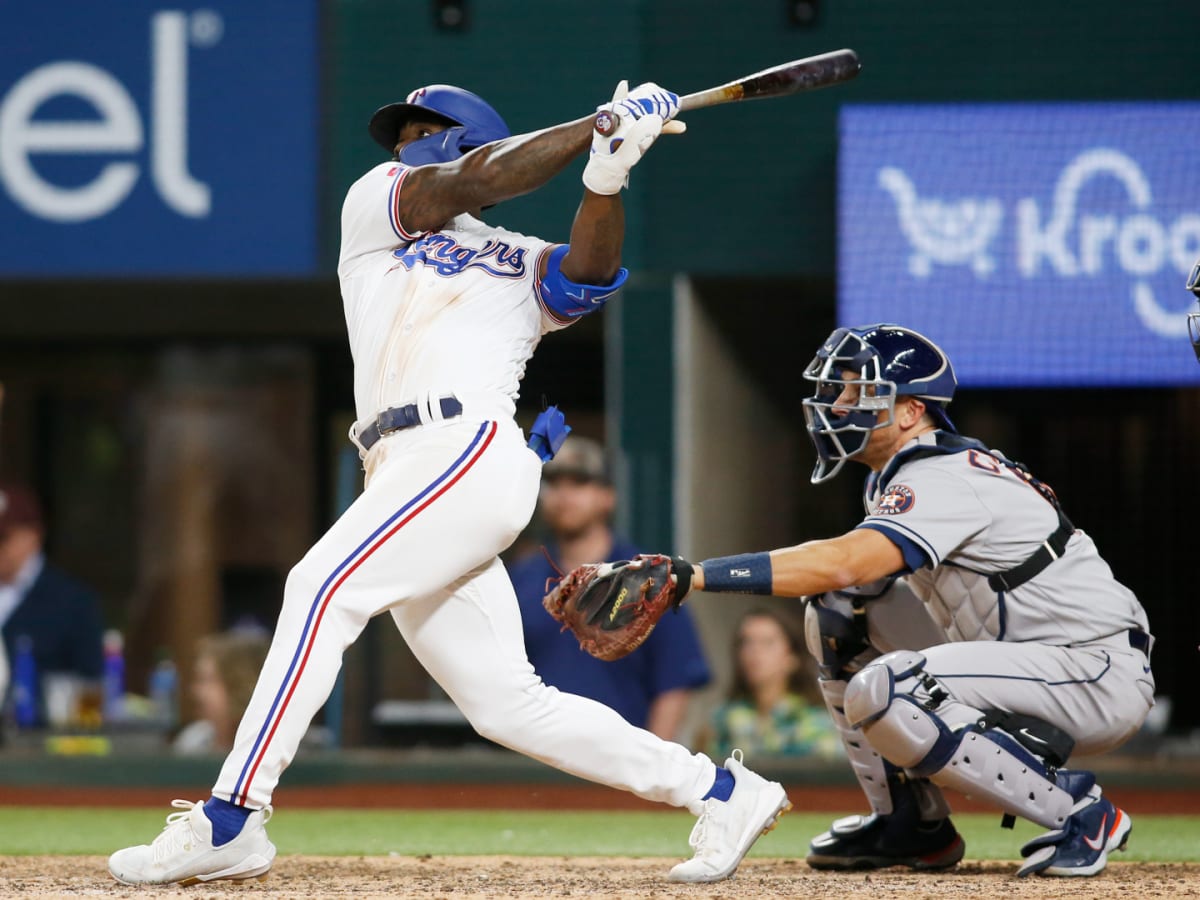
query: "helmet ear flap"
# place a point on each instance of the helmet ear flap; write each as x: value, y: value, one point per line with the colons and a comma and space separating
x: 445, y: 146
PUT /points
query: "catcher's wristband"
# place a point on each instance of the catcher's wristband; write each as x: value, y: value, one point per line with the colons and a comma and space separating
x: 746, y: 573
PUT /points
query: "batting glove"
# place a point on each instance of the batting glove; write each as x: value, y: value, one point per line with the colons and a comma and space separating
x: 638, y: 126
x: 649, y: 98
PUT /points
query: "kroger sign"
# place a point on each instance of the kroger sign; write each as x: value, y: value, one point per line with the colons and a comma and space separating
x: 1040, y: 244
x: 163, y: 141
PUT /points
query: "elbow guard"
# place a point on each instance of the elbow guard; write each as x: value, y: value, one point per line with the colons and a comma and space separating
x: 565, y: 301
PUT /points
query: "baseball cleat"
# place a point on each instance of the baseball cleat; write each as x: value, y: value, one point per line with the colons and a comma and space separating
x: 1095, y: 829
x: 727, y: 829
x: 877, y: 842
x: 184, y: 853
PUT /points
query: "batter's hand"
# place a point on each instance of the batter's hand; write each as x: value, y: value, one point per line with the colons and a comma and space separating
x: 631, y: 129
x: 650, y: 98
x: 647, y: 98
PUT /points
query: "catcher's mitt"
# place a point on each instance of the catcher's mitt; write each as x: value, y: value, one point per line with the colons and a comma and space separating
x: 613, y: 607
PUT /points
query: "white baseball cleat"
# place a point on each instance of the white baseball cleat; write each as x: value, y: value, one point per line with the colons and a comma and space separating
x: 727, y: 829
x: 184, y: 853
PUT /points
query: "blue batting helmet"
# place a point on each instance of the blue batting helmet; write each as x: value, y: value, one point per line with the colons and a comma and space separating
x: 472, y: 122
x: 884, y: 362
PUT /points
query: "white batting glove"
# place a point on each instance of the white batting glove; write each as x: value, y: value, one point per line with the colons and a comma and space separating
x: 649, y: 98
x: 637, y: 127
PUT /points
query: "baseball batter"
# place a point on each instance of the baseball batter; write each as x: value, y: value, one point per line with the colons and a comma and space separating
x: 443, y: 311
x: 968, y: 635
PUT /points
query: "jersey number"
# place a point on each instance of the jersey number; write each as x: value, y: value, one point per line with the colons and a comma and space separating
x: 989, y: 463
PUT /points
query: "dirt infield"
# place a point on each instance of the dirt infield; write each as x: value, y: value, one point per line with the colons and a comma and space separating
x: 488, y: 878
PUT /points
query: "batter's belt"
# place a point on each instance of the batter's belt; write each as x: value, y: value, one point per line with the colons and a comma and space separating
x: 398, y: 418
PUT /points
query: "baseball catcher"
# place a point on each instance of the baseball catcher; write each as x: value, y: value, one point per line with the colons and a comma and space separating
x: 612, y: 607
x: 969, y: 637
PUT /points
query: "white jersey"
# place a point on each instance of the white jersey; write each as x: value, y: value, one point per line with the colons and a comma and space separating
x: 454, y: 311
x: 960, y: 517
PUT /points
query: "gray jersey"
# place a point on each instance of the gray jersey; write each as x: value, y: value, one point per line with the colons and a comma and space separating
x: 960, y: 517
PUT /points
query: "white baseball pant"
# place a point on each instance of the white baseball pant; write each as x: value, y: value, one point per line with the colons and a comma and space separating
x: 422, y: 541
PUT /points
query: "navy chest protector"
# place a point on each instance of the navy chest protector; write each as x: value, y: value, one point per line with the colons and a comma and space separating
x: 1051, y: 549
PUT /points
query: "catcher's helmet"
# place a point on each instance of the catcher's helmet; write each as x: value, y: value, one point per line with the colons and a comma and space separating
x: 1193, y: 285
x: 473, y: 123
x: 884, y: 362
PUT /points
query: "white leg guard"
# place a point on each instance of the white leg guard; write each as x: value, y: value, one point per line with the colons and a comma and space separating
x: 905, y: 731
x: 994, y: 766
x: 839, y: 643
x: 866, y: 763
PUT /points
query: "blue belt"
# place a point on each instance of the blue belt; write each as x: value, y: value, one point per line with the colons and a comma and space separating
x: 399, y: 418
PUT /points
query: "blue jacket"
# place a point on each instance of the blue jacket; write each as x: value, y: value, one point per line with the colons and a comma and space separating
x: 64, y: 620
x: 671, y: 658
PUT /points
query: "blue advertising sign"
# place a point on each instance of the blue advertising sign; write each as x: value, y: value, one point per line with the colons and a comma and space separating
x: 165, y: 140
x: 1038, y: 244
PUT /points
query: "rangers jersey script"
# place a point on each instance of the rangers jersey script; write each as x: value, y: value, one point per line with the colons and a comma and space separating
x: 454, y: 311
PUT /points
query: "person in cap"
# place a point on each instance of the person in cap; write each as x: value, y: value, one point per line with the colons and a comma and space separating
x: 42, y: 606
x: 650, y: 688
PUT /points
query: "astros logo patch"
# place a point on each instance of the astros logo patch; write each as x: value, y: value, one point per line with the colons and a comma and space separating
x: 898, y: 499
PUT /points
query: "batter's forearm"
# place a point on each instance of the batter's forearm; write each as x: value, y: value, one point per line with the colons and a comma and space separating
x: 597, y: 236
x: 492, y: 173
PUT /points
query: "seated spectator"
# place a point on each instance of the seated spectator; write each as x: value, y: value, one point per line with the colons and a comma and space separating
x: 60, y: 617
x: 650, y: 688
x: 3, y: 674
x: 223, y: 677
x: 772, y: 707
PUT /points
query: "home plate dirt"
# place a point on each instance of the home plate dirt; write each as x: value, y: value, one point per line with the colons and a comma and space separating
x: 489, y: 877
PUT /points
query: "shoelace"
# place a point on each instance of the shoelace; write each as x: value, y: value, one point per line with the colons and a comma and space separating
x: 698, y: 840
x: 177, y: 834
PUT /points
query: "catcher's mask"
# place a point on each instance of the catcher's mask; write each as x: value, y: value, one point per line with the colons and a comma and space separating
x: 859, y: 372
x: 1193, y: 285
x: 472, y: 123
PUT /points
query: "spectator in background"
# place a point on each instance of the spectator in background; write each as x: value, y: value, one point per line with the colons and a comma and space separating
x: 3, y: 676
x: 774, y: 707
x: 652, y: 686
x: 223, y: 677
x: 60, y: 616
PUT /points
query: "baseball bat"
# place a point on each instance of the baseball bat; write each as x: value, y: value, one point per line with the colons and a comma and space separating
x: 789, y: 78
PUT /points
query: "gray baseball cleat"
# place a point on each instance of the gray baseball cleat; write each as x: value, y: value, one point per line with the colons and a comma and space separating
x: 184, y: 853
x: 727, y: 829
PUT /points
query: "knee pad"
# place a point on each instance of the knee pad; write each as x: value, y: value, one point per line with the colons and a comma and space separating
x: 897, y: 725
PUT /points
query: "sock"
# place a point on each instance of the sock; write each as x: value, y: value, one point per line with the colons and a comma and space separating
x: 722, y: 787
x: 227, y: 820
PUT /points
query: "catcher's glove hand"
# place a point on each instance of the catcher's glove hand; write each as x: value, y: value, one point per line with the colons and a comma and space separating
x: 612, y: 607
